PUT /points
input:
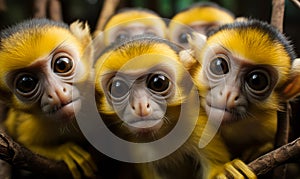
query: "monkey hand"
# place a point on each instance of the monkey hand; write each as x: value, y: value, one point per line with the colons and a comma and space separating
x: 73, y: 156
x: 237, y: 169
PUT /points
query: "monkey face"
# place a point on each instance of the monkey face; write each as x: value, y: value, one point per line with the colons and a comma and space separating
x: 151, y: 26
x: 42, y: 64
x: 140, y: 96
x: 141, y: 87
x: 237, y: 88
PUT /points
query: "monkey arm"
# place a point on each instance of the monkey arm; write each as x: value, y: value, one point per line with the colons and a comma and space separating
x: 46, y: 140
x: 72, y: 155
x: 19, y: 156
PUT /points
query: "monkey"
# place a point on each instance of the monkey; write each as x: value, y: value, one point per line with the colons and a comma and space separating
x: 247, y: 70
x: 40, y: 61
x: 141, y: 86
x: 199, y: 17
x: 127, y: 22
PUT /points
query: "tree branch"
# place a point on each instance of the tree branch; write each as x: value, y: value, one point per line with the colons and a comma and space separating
x: 296, y: 3
x: 40, y: 8
x: 2, y: 5
x: 282, y: 135
x: 55, y: 10
x: 109, y: 7
x: 275, y: 158
x: 277, y: 14
x: 21, y: 157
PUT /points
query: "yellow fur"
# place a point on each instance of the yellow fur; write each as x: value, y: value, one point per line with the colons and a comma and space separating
x: 26, y: 121
x: 206, y: 14
x: 127, y: 17
x: 151, y: 53
x: 254, y: 134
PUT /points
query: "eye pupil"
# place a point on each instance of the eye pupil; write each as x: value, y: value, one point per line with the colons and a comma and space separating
x: 26, y: 83
x: 258, y: 81
x: 118, y: 88
x: 63, y: 65
x: 158, y: 83
x: 219, y: 66
x: 183, y: 38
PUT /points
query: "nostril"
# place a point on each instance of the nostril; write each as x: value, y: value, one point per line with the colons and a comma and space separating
x: 64, y: 89
x: 49, y: 96
x: 236, y: 98
x: 133, y: 107
x: 148, y: 105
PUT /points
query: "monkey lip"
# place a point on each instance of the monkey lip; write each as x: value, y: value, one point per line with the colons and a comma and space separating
x: 220, y: 113
x: 144, y: 125
x: 64, y: 112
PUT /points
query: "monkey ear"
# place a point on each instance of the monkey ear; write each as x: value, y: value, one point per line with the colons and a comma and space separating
x: 187, y: 59
x: 196, y: 42
x: 292, y: 87
x: 82, y: 31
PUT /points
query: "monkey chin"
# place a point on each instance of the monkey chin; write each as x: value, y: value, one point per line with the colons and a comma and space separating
x: 64, y: 113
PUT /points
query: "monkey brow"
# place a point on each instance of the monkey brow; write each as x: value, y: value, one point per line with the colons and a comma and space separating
x: 228, y: 51
x: 57, y: 47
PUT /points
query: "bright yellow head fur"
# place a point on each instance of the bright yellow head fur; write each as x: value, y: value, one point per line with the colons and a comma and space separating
x: 201, y: 14
x: 25, y: 46
x: 139, y: 55
x: 129, y: 16
x: 253, y: 44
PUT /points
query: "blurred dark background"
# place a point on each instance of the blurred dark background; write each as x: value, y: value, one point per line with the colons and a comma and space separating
x: 89, y: 10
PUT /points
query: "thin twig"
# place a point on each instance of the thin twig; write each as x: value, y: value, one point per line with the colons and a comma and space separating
x: 2, y: 5
x: 280, y: 156
x: 20, y: 157
x: 296, y: 3
x: 109, y: 7
x: 277, y: 14
x: 282, y: 136
x: 55, y: 10
x: 40, y: 8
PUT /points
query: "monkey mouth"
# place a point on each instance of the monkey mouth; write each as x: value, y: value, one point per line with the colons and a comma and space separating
x: 144, y: 125
x: 220, y: 113
x: 64, y: 112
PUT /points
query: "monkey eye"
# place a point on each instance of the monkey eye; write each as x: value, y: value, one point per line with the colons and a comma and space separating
x: 158, y: 83
x: 219, y: 66
x: 183, y: 38
x: 122, y: 36
x: 26, y: 83
x: 62, y: 65
x: 118, y: 88
x: 258, y: 81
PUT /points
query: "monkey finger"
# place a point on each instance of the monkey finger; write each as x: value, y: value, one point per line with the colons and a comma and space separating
x: 233, y: 171
x: 244, y: 168
x: 86, y: 156
x: 221, y: 176
x: 72, y: 167
x: 84, y: 160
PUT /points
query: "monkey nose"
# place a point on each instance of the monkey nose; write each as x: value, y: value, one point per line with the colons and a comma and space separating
x: 142, y: 109
x: 231, y: 97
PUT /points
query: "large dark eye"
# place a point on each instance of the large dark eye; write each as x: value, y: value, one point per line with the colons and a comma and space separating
x: 183, y: 38
x: 258, y: 80
x: 62, y: 65
x: 158, y: 83
x: 122, y: 36
x: 219, y: 66
x: 118, y: 88
x: 26, y: 83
